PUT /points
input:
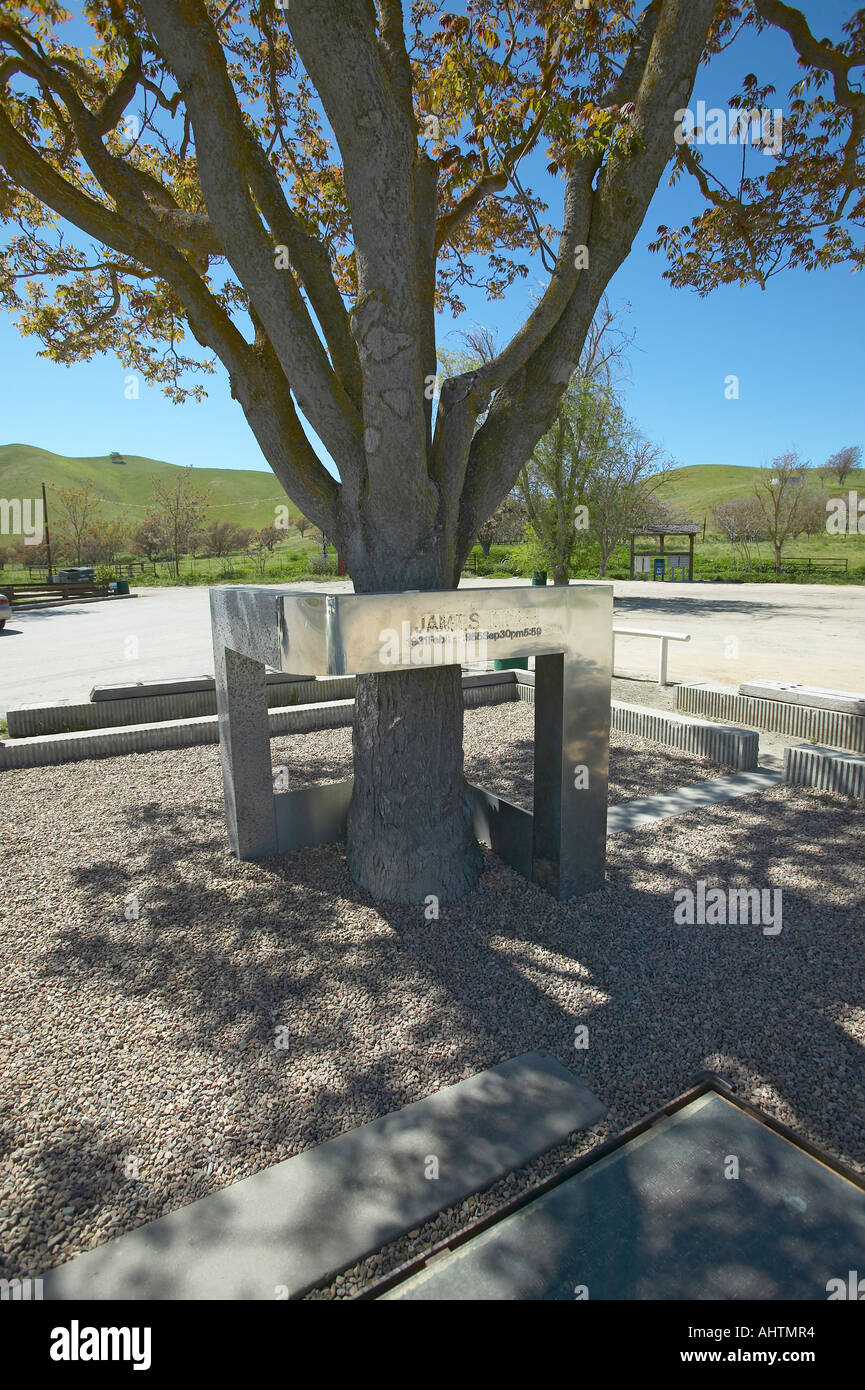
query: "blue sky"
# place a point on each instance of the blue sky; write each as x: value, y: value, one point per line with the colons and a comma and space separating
x: 797, y: 347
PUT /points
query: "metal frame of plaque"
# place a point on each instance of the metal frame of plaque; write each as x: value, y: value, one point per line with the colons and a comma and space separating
x: 562, y: 846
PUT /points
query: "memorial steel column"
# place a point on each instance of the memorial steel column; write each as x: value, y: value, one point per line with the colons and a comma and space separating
x: 572, y: 743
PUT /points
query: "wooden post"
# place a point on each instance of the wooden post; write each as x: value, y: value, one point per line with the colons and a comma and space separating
x: 47, y: 534
x: 691, y: 557
x: 632, y: 554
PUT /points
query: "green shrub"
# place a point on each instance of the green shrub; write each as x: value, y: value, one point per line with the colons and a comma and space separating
x: 322, y: 565
x: 103, y: 575
x: 523, y: 559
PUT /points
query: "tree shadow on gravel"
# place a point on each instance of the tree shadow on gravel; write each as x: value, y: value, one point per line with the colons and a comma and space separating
x: 637, y: 769
x: 383, y: 1006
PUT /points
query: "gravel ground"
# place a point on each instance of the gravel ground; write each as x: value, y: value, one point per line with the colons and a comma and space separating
x: 146, y: 1044
x: 637, y: 692
x: 499, y: 754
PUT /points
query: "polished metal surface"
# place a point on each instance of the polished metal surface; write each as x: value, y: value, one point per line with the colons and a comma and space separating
x: 569, y: 632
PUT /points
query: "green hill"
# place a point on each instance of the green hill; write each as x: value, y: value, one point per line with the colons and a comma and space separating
x: 694, y: 491
x: 241, y: 495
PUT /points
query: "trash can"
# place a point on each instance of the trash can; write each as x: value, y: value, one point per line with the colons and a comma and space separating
x: 122, y: 586
x: 539, y: 578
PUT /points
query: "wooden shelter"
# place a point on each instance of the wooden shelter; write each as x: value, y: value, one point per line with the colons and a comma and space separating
x: 645, y: 563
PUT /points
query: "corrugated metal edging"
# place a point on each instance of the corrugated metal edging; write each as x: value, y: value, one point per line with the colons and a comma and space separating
x: 733, y: 747
x: 35, y: 721
x: 38, y: 721
x: 184, y: 733
x: 825, y: 726
x: 824, y: 768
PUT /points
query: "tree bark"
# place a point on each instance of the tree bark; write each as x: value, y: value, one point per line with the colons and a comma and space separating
x: 409, y: 823
x: 560, y: 574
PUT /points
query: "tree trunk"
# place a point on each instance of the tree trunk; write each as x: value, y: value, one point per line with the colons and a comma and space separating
x: 560, y: 574
x: 777, y: 549
x: 409, y: 824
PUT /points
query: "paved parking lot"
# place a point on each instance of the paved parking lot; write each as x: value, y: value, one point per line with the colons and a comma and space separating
x: 814, y: 634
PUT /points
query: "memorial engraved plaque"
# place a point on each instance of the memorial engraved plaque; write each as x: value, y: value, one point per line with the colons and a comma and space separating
x: 568, y: 630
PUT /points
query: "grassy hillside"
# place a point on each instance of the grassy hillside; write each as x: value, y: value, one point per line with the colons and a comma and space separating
x: 248, y: 499
x: 696, y: 490
x: 241, y: 496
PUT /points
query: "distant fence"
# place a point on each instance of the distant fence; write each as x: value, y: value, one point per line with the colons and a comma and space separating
x: 814, y: 561
x: 24, y: 592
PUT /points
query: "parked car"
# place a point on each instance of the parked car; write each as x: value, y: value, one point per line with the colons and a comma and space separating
x: 5, y: 610
x: 79, y: 574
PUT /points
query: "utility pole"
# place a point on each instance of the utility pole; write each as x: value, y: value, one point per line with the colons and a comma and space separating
x: 47, y: 534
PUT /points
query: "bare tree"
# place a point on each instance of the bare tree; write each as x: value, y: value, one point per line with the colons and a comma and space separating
x: 812, y: 515
x: 838, y: 465
x: 781, y: 492
x: 741, y: 521
x: 177, y: 514
x: 621, y: 490
x: 223, y: 537
x: 262, y: 546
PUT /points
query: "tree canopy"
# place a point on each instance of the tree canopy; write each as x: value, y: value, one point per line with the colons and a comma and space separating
x: 300, y: 188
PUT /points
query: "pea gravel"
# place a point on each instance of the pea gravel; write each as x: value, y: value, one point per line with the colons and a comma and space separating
x: 146, y: 978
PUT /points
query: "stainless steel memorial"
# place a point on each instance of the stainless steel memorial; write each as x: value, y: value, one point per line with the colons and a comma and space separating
x: 562, y: 845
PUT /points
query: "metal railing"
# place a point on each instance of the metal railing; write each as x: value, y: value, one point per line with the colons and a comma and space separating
x: 663, y: 638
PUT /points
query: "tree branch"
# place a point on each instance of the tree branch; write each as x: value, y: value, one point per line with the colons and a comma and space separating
x: 670, y: 40
x: 187, y: 34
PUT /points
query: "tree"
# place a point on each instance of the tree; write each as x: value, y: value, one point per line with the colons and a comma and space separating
x: 177, y: 514
x: 147, y: 539
x: 620, y: 490
x: 262, y: 545
x: 32, y: 557
x: 302, y: 526
x: 801, y: 207
x: 781, y: 491
x: 106, y: 540
x: 741, y: 521
x: 268, y: 538
x: 843, y: 462
x: 554, y: 483
x: 80, y: 514
x: 193, y: 145
x: 506, y: 525
x: 223, y: 537
x: 812, y: 515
